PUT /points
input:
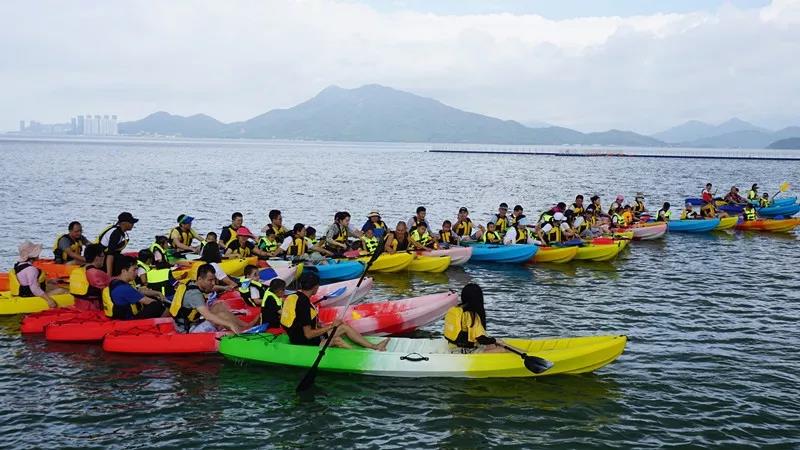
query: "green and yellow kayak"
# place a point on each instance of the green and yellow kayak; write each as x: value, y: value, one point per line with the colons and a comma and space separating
x: 726, y: 223
x: 12, y: 304
x: 405, y: 357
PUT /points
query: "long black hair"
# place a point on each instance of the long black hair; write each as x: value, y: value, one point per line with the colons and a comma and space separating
x: 472, y: 300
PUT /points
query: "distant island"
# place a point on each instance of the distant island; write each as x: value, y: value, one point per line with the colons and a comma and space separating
x: 379, y: 113
x: 786, y: 144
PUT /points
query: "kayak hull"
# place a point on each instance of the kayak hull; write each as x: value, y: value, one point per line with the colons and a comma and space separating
x: 556, y: 255
x: 389, y: 263
x: 80, y: 330
x: 781, y: 210
x: 338, y: 293
x: 503, y: 253
x: 433, y: 264
x: 769, y: 225
x: 693, y: 226
x: 598, y: 252
x: 432, y: 357
x: 12, y: 304
x: 726, y: 223
x: 649, y: 231
x: 458, y: 255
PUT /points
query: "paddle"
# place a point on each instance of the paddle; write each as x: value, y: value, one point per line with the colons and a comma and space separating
x: 533, y: 363
x: 783, y: 188
x: 331, y: 295
x: 308, y: 380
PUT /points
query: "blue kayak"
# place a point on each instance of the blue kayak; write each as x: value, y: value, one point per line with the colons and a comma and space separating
x: 780, y: 201
x: 518, y: 253
x: 693, y: 226
x: 787, y: 210
x: 336, y: 270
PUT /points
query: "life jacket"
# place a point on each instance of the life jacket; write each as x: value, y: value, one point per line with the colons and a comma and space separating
x: 342, y: 235
x: 584, y: 225
x: 462, y: 328
x: 708, y: 210
x: 61, y: 256
x: 500, y: 223
x: 400, y: 245
x: 638, y: 206
x: 494, y: 235
x: 617, y: 220
x: 280, y: 233
x: 160, y: 280
x: 763, y: 202
x: 750, y: 214
x: 186, y: 237
x: 685, y: 214
x: 577, y: 209
x: 516, y: 219
x: 554, y: 235
x: 379, y: 225
x: 546, y: 217
x: 245, y: 285
x: 79, y: 285
x: 187, y: 317
x: 233, y: 237
x: 155, y: 248
x: 464, y: 228
x: 424, y: 240
x: 297, y: 248
x: 289, y: 312
x: 752, y: 195
x: 243, y: 252
x: 663, y: 216
x: 448, y: 237
x: 24, y: 291
x: 110, y: 229
x: 370, y: 244
x: 522, y: 236
x: 267, y: 245
x: 114, y: 311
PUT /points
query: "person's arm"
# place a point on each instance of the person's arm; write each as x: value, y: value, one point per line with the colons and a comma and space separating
x: 330, y: 237
x: 218, y: 320
x: 388, y: 247
x: 110, y: 264
x: 354, y: 233
x: 322, y: 250
x: 415, y: 244
x: 310, y: 332
x: 151, y: 294
x: 63, y: 245
x: 176, y: 242
x: 510, y: 237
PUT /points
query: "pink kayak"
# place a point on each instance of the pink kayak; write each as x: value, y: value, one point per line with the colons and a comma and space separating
x: 648, y: 231
x: 393, y: 317
x: 458, y: 255
x: 337, y: 294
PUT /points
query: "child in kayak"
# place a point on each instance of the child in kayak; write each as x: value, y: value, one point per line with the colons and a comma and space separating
x: 764, y: 202
x: 447, y: 237
x: 465, y: 324
x: 491, y: 235
x: 663, y: 214
x: 299, y: 320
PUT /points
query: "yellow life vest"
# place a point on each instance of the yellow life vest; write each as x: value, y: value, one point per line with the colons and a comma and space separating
x: 370, y: 244
x: 685, y: 214
x: 242, y: 252
x: 269, y: 295
x: 577, y: 209
x: 61, y: 256
x: 464, y: 228
x: 267, y: 245
x: 155, y: 248
x: 233, y: 237
x: 708, y: 210
x: 522, y: 236
x: 289, y: 313
x: 185, y: 237
x: 244, y: 290
x: 763, y: 202
x: 109, y: 308
x: 424, y: 240
x: 617, y: 220
x: 186, y: 316
x: 397, y: 245
x: 109, y: 229
x: 501, y: 223
x: 458, y: 321
x: 24, y: 291
x: 342, y: 236
x: 78, y: 283
x: 298, y: 247
x: 491, y: 237
x: 750, y: 214
x: 554, y: 235
x: 663, y: 216
x: 752, y: 195
x: 447, y: 237
x: 638, y: 206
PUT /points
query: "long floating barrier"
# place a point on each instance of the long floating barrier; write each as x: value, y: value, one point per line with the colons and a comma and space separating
x: 595, y: 154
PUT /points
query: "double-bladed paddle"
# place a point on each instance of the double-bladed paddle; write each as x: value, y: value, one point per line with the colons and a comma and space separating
x: 533, y: 363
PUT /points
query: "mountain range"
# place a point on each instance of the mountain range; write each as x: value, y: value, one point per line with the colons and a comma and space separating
x: 378, y: 113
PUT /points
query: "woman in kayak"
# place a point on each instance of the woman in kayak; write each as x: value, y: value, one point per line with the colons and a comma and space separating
x: 465, y: 324
x: 299, y: 320
x: 32, y: 280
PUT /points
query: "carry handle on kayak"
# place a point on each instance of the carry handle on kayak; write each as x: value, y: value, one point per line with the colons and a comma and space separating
x: 411, y: 357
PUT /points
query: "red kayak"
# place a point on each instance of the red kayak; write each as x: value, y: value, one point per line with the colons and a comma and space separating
x: 164, y: 338
x: 93, y: 330
x: 35, y: 323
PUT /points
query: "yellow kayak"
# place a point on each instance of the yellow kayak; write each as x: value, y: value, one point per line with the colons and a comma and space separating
x: 599, y: 252
x: 429, y: 264
x: 232, y: 267
x: 726, y: 223
x: 556, y: 255
x: 12, y: 304
x: 389, y: 262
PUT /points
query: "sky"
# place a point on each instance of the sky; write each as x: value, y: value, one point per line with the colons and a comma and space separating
x: 592, y: 65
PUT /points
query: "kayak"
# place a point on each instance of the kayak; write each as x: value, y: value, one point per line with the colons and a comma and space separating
x: 36, y: 323
x: 54, y: 269
x: 775, y: 202
x: 232, y: 267
x: 693, y: 226
x: 12, y: 304
x: 3, y: 281
x: 726, y: 223
x: 554, y: 254
x: 648, y: 231
x: 389, y: 262
x: 337, y: 294
x: 773, y: 225
x: 517, y: 253
x: 161, y: 338
x: 392, y: 317
x: 782, y: 210
x: 416, y: 358
x: 599, y: 252
x: 458, y: 255
x: 83, y: 330
x: 433, y: 264
x: 337, y: 270
x: 286, y: 274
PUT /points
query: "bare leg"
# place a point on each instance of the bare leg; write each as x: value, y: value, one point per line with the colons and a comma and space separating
x: 356, y: 337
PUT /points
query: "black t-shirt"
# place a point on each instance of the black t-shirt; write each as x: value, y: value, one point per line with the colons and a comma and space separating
x: 270, y: 312
x: 302, y: 318
x: 116, y: 241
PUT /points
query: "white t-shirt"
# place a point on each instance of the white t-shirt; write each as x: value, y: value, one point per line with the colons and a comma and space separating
x: 287, y: 242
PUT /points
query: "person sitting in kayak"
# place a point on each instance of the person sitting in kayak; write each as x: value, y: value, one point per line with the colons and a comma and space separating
x: 550, y: 231
x: 276, y: 224
x: 379, y: 228
x: 159, y: 250
x: 68, y: 247
x: 491, y: 235
x: 463, y: 226
x: 269, y: 244
x: 160, y: 281
x: 336, y: 238
x: 195, y: 310
x: 465, y: 324
x: 88, y: 282
x: 314, y: 247
x: 627, y: 214
x: 579, y: 224
x: 243, y: 247
x: 733, y: 196
x: 212, y: 256
x: 596, y: 206
x: 577, y: 208
x: 228, y: 234
x: 114, y: 238
x: 568, y: 229
x: 709, y: 211
x: 299, y: 320
x: 369, y: 242
x: 251, y: 288
x: 182, y: 236
x: 752, y: 195
x: 639, y: 207
x: 616, y: 204
x: 689, y: 213
x: 418, y: 219
x: 421, y: 238
x: 764, y: 201
x: 500, y: 220
x: 30, y: 280
x: 518, y: 234
x: 664, y: 214
x: 516, y: 216
x: 398, y: 240
x: 124, y: 302
x: 447, y: 237
x: 749, y: 213
x: 295, y: 246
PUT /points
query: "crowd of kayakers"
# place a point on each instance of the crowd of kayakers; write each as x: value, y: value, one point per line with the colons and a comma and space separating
x: 143, y: 285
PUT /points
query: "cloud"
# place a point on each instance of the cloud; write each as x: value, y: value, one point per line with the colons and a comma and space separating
x: 234, y: 60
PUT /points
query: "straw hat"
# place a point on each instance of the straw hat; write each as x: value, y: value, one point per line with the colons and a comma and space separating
x: 29, y: 250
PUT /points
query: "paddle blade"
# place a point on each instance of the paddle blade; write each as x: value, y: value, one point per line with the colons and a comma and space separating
x: 784, y: 186
x: 537, y: 365
x: 307, y: 381
x: 337, y: 292
x: 256, y: 329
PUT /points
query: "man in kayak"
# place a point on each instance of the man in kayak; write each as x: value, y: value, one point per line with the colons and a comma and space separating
x: 464, y: 227
x: 689, y: 213
x: 709, y: 211
x: 182, y: 236
x: 243, y: 247
x: 379, y: 228
x: 417, y: 219
x: 752, y: 195
x: 500, y: 220
x: 577, y: 207
x: 464, y: 325
x: 734, y: 197
x: 749, y: 213
x: 127, y: 302
x: 617, y: 203
x: 663, y: 214
x: 228, y: 234
x: 516, y: 216
x: 491, y: 235
x: 299, y: 320
x: 707, y: 195
x: 764, y: 201
x: 32, y: 280
x: 194, y: 314
x: 336, y: 238
x: 69, y: 246
x: 276, y: 224
x: 549, y: 229
x: 398, y: 240
x: 114, y: 239
x: 94, y: 279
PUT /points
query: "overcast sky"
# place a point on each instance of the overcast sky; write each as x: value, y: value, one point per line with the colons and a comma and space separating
x: 591, y: 65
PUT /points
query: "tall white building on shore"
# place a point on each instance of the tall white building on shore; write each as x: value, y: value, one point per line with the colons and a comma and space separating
x: 96, y: 125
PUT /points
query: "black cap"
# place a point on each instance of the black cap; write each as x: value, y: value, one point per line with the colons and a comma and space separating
x: 504, y: 205
x: 463, y: 209
x: 127, y: 217
x: 517, y: 207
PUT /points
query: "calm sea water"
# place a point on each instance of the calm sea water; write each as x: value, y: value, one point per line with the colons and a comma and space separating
x: 712, y: 320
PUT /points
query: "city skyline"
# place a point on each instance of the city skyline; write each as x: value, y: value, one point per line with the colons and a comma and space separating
x: 81, y: 125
